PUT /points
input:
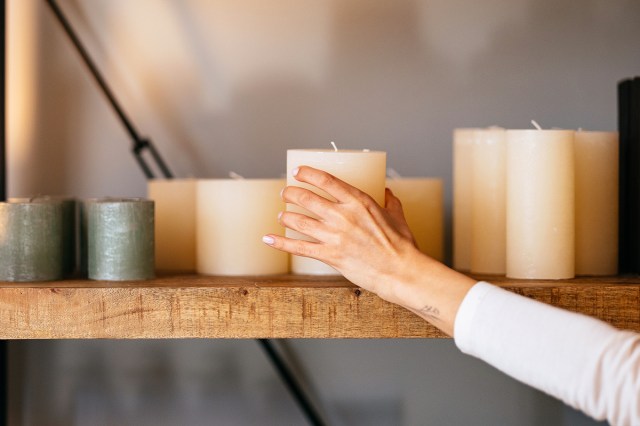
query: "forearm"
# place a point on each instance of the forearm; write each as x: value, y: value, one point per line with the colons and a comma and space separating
x: 431, y: 290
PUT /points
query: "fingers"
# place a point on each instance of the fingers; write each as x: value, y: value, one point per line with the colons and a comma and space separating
x: 306, y: 199
x: 335, y: 187
x: 394, y: 209
x: 305, y: 225
x: 296, y: 247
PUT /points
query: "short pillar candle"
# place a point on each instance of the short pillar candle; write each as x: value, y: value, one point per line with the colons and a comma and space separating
x: 175, y: 223
x: 232, y: 216
x: 423, y: 205
x: 596, y: 203
x: 69, y: 228
x: 366, y: 170
x: 540, y: 204
x: 31, y: 241
x: 120, y: 239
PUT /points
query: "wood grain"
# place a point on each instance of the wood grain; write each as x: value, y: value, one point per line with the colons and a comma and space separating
x: 288, y: 306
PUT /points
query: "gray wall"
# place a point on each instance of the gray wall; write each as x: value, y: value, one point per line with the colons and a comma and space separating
x: 223, y: 86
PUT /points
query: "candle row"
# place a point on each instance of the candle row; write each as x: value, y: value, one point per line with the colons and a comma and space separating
x: 38, y: 239
x: 215, y: 226
x: 537, y: 204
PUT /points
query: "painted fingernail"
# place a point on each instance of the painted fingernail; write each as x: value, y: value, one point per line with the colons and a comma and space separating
x: 295, y: 171
x: 268, y: 240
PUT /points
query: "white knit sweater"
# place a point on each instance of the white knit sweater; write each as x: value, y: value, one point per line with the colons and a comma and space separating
x: 584, y: 362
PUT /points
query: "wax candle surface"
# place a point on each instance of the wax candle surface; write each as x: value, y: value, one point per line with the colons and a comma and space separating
x: 463, y: 141
x: 175, y: 223
x: 366, y: 170
x: 423, y: 206
x: 31, y: 241
x: 540, y: 204
x: 120, y: 239
x: 69, y: 228
x: 596, y: 203
x: 488, y: 200
x: 232, y: 217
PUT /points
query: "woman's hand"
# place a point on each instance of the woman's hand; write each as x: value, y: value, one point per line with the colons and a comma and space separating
x: 370, y: 245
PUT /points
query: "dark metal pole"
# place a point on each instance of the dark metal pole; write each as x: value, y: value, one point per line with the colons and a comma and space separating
x: 3, y: 135
x: 139, y: 143
x: 4, y: 350
x: 292, y: 384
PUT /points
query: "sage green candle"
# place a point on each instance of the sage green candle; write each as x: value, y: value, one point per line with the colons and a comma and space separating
x: 120, y: 239
x: 31, y: 241
x: 69, y: 228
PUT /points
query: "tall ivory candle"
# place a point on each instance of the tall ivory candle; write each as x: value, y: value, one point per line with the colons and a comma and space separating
x: 463, y: 140
x: 232, y: 215
x: 175, y: 223
x: 540, y: 204
x: 31, y: 240
x: 366, y: 170
x: 596, y: 203
x: 423, y: 206
x: 488, y: 199
x: 120, y: 239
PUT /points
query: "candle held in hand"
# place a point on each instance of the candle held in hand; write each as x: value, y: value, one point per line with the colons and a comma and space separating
x: 366, y: 170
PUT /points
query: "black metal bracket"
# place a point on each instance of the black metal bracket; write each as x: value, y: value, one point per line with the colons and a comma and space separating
x: 141, y: 144
x: 4, y: 352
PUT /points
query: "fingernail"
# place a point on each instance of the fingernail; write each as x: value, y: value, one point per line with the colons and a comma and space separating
x: 268, y: 240
x: 282, y: 191
x: 279, y: 215
x: 295, y: 171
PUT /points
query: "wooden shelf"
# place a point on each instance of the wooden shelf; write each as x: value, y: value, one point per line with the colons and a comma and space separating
x: 194, y: 306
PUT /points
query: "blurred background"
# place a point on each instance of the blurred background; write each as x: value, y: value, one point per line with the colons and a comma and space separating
x: 230, y: 85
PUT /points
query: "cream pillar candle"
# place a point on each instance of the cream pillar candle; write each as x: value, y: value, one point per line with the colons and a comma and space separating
x: 596, y: 203
x: 365, y: 170
x: 423, y: 205
x: 488, y: 199
x: 232, y: 215
x: 31, y: 240
x: 463, y: 140
x: 540, y: 204
x: 175, y: 224
x: 120, y: 239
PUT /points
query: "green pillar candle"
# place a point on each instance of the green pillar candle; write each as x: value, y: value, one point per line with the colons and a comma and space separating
x: 120, y: 239
x: 31, y: 241
x: 69, y: 226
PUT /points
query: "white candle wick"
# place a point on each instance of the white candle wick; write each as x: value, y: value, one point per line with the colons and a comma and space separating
x: 393, y: 174
x: 333, y: 144
x: 234, y: 175
x: 536, y: 125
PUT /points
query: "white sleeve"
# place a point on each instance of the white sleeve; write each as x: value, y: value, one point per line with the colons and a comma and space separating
x: 582, y: 361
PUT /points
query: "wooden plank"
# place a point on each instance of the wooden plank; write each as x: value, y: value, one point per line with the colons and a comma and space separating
x: 193, y: 306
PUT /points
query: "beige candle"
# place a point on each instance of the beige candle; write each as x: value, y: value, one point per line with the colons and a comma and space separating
x: 175, y: 201
x: 596, y: 203
x: 540, y: 204
x: 463, y: 140
x: 232, y: 215
x: 366, y: 170
x: 488, y: 199
x: 423, y: 205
